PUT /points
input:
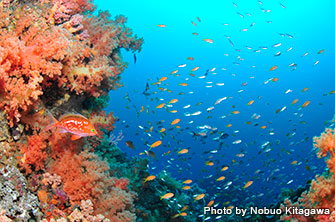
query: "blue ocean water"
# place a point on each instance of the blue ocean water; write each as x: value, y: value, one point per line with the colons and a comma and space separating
x: 279, y: 156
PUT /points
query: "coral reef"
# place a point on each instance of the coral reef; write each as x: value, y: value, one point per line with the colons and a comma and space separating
x: 82, y: 53
x: 321, y: 193
x: 58, y: 57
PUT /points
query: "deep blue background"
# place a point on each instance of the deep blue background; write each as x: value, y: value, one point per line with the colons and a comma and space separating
x: 311, y: 23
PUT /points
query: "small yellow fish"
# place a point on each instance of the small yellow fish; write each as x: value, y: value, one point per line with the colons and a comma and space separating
x: 210, y: 203
x: 162, y: 79
x: 162, y: 130
x: 248, y: 184
x: 183, y: 84
x: 195, y: 69
x: 161, y: 26
x: 184, y: 208
x: 173, y: 101
x: 199, y: 197
x: 187, y: 181
x: 167, y: 196
x: 305, y: 104
x: 183, y: 151
x: 235, y: 112
x: 250, y: 102
x: 160, y: 106
x: 294, y: 162
x: 304, y: 90
x: 209, y: 163
x: 321, y: 51
x: 186, y: 188
x: 173, y: 111
x: 173, y: 72
x: 208, y: 40
x: 229, y: 125
x: 220, y: 178
x: 294, y: 101
x: 273, y: 68
x: 224, y: 168
x: 155, y: 144
x: 175, y: 121
x: 183, y: 214
x: 150, y: 178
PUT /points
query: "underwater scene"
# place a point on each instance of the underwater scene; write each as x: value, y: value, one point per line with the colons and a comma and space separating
x: 157, y: 111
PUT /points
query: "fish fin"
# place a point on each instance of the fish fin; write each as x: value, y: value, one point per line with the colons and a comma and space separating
x: 69, y: 115
x: 53, y: 123
x: 75, y: 137
x: 60, y: 130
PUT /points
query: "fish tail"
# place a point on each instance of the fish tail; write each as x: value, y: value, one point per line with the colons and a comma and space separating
x: 54, y: 121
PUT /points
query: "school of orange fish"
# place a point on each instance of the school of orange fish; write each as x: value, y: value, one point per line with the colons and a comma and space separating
x: 227, y: 157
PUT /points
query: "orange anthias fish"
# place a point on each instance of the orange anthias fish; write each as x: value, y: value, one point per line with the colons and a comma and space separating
x: 149, y: 178
x: 248, y: 184
x: 273, y: 68
x: 305, y: 104
x: 208, y: 40
x: 321, y: 51
x: 183, y: 151
x: 175, y: 121
x: 199, y: 197
x: 155, y: 144
x: 167, y: 196
x: 76, y: 124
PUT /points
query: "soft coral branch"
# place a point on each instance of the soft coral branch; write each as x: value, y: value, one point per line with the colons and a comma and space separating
x: 86, y: 177
x: 34, y: 152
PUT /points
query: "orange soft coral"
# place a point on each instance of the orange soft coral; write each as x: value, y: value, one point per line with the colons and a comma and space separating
x: 325, y: 143
x: 86, y: 177
x: 24, y: 63
x: 80, y: 53
x: 34, y: 152
x: 101, y: 121
x: 322, y: 191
